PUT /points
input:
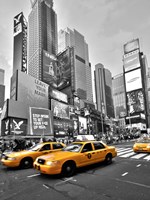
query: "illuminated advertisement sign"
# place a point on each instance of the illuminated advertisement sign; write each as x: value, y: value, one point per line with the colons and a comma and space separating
x: 58, y: 95
x: 131, y: 46
x: 64, y: 69
x: 135, y: 102
x: 131, y: 61
x: 40, y: 121
x: 60, y: 110
x: 18, y: 20
x: 63, y: 127
x: 49, y: 69
x: 32, y: 91
x: 14, y: 126
x: 133, y: 80
x: 82, y: 125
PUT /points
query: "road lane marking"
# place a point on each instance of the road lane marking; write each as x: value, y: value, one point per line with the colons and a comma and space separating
x: 137, y: 156
x: 46, y: 186
x: 127, y: 155
x: 139, y: 165
x: 147, y: 158
x: 122, y: 149
x: 33, y: 175
x: 134, y: 183
x: 124, y: 174
x: 65, y: 180
x: 127, y: 151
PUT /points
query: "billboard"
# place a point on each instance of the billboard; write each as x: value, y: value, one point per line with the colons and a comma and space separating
x: 135, y: 102
x: 82, y: 125
x: 131, y: 61
x: 65, y: 61
x: 40, y: 121
x: 32, y: 91
x: 58, y: 95
x: 18, y: 21
x: 59, y: 109
x: 14, y: 127
x: 133, y: 80
x: 49, y: 69
x: 131, y: 46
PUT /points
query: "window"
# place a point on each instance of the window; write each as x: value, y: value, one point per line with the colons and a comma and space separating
x: 57, y: 146
x: 98, y: 145
x: 45, y: 147
x: 87, y: 147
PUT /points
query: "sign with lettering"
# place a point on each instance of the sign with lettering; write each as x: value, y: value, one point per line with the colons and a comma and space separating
x: 40, y: 121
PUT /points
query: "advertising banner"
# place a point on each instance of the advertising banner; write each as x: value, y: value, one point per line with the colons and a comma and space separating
x: 133, y: 80
x: 32, y: 91
x: 59, y: 109
x: 131, y: 46
x: 18, y: 21
x: 14, y: 127
x: 64, y: 69
x: 135, y: 102
x: 82, y: 125
x: 49, y: 69
x: 58, y: 95
x: 40, y: 121
x: 131, y: 62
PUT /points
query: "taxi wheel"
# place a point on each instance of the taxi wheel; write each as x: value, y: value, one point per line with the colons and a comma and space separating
x: 26, y: 163
x: 68, y: 169
x: 108, y: 159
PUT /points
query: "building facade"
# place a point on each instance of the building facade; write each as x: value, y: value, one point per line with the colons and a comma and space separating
x: 82, y: 70
x: 42, y: 36
x: 119, y: 99
x: 135, y: 70
x: 2, y: 89
x: 103, y: 90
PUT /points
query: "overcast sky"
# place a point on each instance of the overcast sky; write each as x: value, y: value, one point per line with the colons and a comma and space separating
x: 106, y: 25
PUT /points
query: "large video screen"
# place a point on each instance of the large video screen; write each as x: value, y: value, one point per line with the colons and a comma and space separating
x: 82, y: 125
x: 56, y: 94
x: 131, y: 62
x: 59, y: 109
x: 135, y: 102
x: 131, y: 46
x: 49, y: 69
x: 133, y: 80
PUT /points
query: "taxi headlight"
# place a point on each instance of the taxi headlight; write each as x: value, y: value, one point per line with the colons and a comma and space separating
x: 52, y: 163
x: 11, y: 158
x: 148, y: 146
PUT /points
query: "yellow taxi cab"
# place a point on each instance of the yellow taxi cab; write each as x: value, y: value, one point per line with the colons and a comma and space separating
x: 142, y: 145
x: 25, y: 158
x: 75, y: 155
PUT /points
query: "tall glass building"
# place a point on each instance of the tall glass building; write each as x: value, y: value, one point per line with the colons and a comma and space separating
x: 82, y: 71
x: 103, y: 90
x: 42, y: 35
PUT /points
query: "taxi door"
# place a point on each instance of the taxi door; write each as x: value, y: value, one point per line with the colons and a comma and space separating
x: 100, y: 151
x: 88, y: 156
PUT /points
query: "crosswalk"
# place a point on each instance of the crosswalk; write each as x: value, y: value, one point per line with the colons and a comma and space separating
x: 129, y: 153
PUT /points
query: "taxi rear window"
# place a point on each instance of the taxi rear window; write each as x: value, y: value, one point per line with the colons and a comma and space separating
x: 98, y: 145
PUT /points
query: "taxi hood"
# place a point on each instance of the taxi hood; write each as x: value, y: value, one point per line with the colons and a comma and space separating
x: 58, y: 155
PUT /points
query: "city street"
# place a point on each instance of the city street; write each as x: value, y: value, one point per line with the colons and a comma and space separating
x: 125, y: 179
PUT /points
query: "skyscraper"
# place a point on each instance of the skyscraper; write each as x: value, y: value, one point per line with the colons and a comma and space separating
x: 20, y: 43
x: 42, y: 24
x: 82, y: 71
x: 103, y: 90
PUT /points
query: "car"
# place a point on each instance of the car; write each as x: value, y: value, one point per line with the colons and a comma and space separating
x: 75, y: 155
x: 25, y: 158
x: 142, y: 145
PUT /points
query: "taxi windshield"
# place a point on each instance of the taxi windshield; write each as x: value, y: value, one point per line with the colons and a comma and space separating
x: 35, y: 147
x: 73, y: 147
